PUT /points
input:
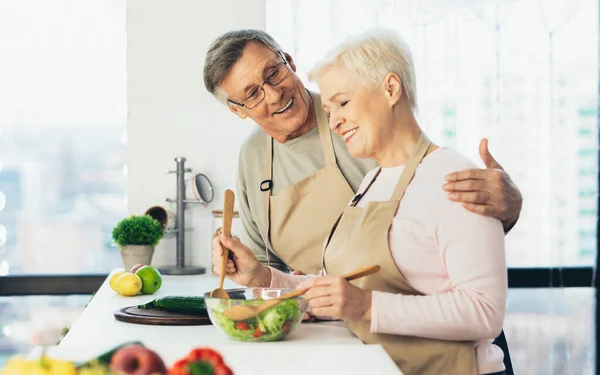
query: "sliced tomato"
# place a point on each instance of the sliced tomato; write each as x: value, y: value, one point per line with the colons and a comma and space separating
x: 243, y: 326
x: 258, y: 332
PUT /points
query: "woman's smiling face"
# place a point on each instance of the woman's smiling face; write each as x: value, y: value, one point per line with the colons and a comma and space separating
x: 359, y: 114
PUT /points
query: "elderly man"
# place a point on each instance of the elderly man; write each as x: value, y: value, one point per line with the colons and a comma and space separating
x: 295, y: 176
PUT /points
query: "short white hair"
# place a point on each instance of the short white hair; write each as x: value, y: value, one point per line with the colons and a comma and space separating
x: 373, y: 55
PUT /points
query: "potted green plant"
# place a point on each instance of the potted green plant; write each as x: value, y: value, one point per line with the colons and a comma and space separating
x: 137, y: 236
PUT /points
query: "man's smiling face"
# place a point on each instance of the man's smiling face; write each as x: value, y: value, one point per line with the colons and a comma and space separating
x: 285, y: 108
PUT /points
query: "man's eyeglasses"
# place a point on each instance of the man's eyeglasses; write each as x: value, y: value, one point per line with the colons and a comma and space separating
x: 273, y: 78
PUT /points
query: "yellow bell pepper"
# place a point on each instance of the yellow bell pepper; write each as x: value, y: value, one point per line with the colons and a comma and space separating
x: 44, y: 366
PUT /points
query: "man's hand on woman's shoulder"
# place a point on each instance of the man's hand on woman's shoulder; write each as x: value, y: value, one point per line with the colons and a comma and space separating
x: 489, y: 192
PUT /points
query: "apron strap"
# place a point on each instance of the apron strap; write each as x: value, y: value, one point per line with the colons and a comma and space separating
x: 411, y: 167
x: 407, y: 175
x: 352, y: 203
x: 266, y: 186
x: 358, y: 196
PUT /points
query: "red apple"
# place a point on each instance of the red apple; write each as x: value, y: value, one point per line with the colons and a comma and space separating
x: 136, y: 267
x: 137, y: 360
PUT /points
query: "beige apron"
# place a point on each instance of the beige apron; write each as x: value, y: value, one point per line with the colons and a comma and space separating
x: 300, y: 216
x: 360, y: 238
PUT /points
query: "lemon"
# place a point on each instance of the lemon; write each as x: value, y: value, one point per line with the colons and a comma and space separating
x: 129, y: 284
x: 113, y: 280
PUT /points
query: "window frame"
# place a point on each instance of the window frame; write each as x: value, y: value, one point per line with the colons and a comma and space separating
x: 57, y: 285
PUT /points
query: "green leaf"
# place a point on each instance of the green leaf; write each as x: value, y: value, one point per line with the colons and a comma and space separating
x: 138, y: 230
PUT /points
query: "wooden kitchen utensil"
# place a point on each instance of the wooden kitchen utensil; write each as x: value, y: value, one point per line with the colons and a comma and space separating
x: 243, y: 312
x: 227, y: 218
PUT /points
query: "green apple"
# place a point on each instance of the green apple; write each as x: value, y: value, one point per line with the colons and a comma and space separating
x: 151, y: 279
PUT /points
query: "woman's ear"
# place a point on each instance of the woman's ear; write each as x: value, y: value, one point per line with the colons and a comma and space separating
x: 393, y: 88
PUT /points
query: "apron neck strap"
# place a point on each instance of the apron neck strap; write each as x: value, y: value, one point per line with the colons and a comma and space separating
x: 411, y: 166
x: 407, y: 174
x: 324, y: 135
x: 268, y: 166
x: 266, y: 185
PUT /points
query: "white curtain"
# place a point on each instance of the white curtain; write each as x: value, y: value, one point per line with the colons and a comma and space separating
x: 524, y: 74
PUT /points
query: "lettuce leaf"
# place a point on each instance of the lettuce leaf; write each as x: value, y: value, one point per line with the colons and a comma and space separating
x: 270, y: 323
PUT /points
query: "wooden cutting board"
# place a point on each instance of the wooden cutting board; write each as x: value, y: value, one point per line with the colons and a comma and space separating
x: 133, y: 314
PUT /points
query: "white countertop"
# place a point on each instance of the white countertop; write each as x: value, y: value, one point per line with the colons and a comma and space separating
x: 313, y: 348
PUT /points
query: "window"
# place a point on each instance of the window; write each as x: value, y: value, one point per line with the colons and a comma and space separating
x: 463, y: 36
x: 470, y: 27
x: 497, y: 54
x: 559, y: 342
x: 35, y: 320
x: 62, y: 148
x: 588, y: 193
x: 562, y: 102
x: 586, y: 152
x: 62, y: 155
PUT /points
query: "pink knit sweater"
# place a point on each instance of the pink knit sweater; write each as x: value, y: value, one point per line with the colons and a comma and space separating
x: 455, y: 257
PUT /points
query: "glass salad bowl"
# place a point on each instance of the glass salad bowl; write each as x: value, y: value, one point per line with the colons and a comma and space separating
x: 273, y: 324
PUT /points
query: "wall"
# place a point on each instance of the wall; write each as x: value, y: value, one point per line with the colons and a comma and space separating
x: 170, y: 113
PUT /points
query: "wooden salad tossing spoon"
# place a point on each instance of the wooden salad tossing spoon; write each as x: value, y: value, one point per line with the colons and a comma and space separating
x: 242, y: 312
x: 227, y: 218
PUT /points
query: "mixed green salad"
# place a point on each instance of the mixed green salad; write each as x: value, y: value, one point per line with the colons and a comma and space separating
x: 270, y: 325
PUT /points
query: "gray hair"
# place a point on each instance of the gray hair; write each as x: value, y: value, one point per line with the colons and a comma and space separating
x: 225, y: 51
x: 373, y: 55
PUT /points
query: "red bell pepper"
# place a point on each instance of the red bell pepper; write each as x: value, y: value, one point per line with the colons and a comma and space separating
x: 201, y: 361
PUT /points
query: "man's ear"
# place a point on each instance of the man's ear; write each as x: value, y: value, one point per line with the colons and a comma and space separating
x: 392, y: 84
x: 237, y: 111
x: 290, y: 61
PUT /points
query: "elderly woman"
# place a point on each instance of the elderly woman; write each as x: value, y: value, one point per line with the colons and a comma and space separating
x: 439, y: 300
